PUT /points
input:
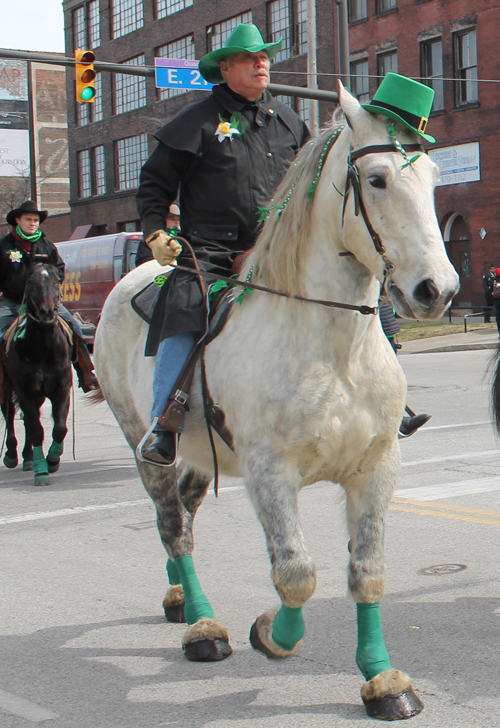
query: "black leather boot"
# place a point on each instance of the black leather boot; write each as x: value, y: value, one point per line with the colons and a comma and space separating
x: 409, y: 425
x: 163, y: 449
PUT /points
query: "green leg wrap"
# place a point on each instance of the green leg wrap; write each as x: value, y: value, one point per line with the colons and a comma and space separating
x: 55, y: 451
x: 173, y: 573
x: 39, y: 462
x: 197, y: 605
x: 288, y: 627
x: 372, y: 657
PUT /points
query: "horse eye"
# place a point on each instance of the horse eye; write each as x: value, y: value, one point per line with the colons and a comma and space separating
x: 378, y: 182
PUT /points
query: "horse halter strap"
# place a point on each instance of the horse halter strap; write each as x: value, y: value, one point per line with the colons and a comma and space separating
x: 353, y: 182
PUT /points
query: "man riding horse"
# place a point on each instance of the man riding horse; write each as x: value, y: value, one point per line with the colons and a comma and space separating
x: 224, y: 156
x: 17, y: 252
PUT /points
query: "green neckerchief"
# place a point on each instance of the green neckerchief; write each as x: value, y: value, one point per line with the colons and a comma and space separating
x: 30, y: 238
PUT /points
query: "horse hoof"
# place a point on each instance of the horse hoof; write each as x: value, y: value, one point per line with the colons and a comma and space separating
x: 207, y: 640
x: 28, y: 465
x: 261, y: 638
x: 175, y: 613
x: 395, y: 707
x: 207, y: 651
x: 53, y: 466
x: 390, y: 696
x: 173, y: 604
x: 9, y: 462
x: 42, y: 479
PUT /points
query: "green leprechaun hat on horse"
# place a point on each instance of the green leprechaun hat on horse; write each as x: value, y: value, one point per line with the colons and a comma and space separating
x: 404, y: 100
x: 246, y: 38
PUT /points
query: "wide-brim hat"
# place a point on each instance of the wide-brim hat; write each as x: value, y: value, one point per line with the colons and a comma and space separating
x: 246, y: 38
x: 28, y: 206
x: 404, y: 100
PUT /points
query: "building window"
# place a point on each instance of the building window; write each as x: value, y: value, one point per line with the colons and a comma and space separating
x: 360, y: 81
x: 167, y: 7
x: 287, y: 100
x: 287, y: 19
x: 357, y: 10
x: 96, y: 110
x: 217, y: 34
x: 82, y: 114
x: 302, y: 107
x: 99, y: 169
x: 126, y: 16
x: 301, y: 25
x: 131, y: 153
x: 93, y: 23
x: 79, y: 29
x: 84, y: 173
x: 130, y: 91
x: 466, y: 89
x: 432, y: 69
x: 180, y: 48
x: 387, y: 63
x: 91, y: 172
x: 384, y: 5
x: 279, y: 22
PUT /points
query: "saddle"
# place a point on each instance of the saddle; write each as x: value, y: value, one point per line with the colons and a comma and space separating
x: 17, y: 330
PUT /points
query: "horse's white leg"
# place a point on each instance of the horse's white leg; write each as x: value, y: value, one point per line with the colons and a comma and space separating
x: 177, y: 494
x: 387, y: 693
x: 273, y: 487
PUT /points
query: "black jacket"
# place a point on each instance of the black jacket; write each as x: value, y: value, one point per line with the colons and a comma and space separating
x: 221, y: 185
x: 15, y: 263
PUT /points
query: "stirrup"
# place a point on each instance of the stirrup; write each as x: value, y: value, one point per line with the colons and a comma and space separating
x: 142, y: 444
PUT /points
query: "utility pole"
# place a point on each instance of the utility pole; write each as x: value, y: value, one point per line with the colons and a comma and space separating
x: 343, y: 40
x: 31, y: 133
x: 312, y: 65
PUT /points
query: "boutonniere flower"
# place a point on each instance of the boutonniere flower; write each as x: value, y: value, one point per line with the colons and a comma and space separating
x: 15, y: 255
x: 227, y: 129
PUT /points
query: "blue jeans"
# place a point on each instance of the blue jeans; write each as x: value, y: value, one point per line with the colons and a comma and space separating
x: 9, y: 309
x: 171, y: 357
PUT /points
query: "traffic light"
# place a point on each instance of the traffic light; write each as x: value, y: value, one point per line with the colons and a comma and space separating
x: 85, y: 76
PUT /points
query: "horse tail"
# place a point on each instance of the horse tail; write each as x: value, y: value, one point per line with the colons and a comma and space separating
x: 495, y: 390
x: 94, y: 397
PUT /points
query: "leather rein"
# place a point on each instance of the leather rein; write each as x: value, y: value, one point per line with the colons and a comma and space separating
x: 353, y: 183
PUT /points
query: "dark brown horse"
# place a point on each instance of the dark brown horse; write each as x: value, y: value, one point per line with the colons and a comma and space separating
x: 37, y: 360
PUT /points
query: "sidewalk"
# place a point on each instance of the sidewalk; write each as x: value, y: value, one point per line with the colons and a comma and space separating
x: 480, y: 339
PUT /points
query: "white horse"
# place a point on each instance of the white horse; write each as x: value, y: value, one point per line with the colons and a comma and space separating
x: 310, y: 393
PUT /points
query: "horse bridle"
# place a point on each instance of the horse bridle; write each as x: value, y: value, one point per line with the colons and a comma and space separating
x: 353, y: 183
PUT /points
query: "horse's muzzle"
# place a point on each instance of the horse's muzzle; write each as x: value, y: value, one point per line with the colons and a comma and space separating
x: 47, y: 314
x: 426, y: 302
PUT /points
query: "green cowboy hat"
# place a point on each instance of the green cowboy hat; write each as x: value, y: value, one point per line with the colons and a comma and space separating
x: 404, y: 100
x: 245, y: 38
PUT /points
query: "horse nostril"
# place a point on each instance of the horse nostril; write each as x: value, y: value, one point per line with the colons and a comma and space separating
x: 426, y: 293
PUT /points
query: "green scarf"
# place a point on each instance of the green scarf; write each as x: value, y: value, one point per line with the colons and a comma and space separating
x: 30, y: 238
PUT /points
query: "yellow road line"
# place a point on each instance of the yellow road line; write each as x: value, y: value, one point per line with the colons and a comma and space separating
x: 446, y: 507
x: 457, y: 516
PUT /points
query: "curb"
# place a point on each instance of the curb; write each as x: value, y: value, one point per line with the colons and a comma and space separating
x: 451, y: 347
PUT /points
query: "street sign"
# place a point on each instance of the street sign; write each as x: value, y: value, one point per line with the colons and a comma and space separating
x: 181, y: 74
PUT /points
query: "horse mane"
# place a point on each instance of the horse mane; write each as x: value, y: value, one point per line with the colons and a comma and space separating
x: 279, y: 250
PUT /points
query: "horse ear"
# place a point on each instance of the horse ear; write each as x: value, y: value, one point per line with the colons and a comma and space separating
x: 349, y: 104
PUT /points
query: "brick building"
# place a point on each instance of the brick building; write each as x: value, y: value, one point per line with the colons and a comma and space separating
x: 449, y: 43
x: 111, y: 138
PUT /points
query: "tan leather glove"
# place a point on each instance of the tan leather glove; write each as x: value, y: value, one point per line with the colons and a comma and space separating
x: 164, y: 248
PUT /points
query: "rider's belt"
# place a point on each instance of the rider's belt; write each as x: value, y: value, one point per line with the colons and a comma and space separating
x: 418, y: 122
